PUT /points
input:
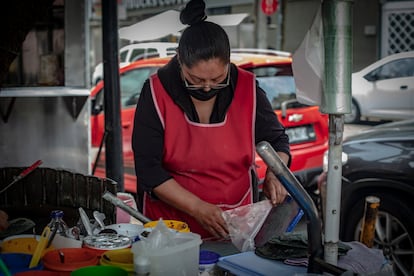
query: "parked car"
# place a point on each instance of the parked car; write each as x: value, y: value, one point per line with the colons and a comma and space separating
x: 379, y: 163
x: 306, y: 126
x: 137, y: 51
x: 384, y: 90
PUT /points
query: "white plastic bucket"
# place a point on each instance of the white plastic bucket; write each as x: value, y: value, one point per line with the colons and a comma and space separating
x: 178, y: 260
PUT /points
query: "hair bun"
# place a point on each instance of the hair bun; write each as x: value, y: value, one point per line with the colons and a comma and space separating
x: 193, y: 13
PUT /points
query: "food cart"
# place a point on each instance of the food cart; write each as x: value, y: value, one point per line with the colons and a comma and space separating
x: 51, y: 123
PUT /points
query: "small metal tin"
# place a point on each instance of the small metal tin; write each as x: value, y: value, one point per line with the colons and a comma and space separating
x: 107, y: 241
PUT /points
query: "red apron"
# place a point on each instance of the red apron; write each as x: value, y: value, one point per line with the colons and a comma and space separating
x: 213, y: 161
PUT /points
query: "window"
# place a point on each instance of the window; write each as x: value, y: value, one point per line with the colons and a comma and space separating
x: 399, y: 68
x: 277, y: 82
x: 131, y: 84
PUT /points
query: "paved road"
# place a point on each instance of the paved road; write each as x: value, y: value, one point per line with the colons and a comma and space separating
x: 350, y: 129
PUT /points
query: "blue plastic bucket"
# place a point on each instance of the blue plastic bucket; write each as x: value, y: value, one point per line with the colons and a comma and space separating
x: 18, y: 262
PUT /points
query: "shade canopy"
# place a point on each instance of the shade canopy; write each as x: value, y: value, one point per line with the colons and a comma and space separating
x: 168, y: 23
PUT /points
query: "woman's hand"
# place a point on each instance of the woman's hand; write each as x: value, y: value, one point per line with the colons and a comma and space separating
x: 3, y: 220
x: 210, y: 217
x: 273, y: 189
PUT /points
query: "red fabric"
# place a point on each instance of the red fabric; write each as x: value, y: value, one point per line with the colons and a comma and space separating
x: 226, y: 150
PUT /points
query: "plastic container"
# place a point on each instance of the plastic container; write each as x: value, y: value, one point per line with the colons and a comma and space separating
x: 208, y: 261
x: 142, y: 265
x: 99, y: 271
x: 41, y: 273
x: 66, y: 242
x: 121, y: 215
x: 172, y: 224
x: 127, y: 229
x: 122, y: 258
x: 18, y: 262
x: 21, y: 244
x: 69, y: 259
x: 179, y: 259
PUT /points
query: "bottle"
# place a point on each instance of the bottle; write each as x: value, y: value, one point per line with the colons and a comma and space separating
x: 57, y: 225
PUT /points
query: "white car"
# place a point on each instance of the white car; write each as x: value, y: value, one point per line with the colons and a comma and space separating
x: 134, y: 52
x: 384, y: 90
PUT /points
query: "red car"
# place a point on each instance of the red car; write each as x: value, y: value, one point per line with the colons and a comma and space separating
x: 306, y: 126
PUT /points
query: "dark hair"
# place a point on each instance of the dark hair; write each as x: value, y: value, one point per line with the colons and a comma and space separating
x: 201, y: 40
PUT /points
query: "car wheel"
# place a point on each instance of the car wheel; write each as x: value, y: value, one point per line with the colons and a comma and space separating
x: 355, y: 115
x: 394, y: 231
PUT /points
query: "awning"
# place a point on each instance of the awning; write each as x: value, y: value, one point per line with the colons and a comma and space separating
x: 155, y: 27
x: 167, y: 23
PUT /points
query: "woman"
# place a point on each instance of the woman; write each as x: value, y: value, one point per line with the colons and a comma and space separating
x: 196, y: 125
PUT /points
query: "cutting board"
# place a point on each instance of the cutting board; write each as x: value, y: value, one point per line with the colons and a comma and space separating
x: 249, y: 264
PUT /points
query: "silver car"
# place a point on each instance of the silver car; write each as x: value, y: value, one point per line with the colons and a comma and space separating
x: 384, y: 90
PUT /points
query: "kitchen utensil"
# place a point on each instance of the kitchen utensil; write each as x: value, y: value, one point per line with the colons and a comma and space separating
x: 85, y: 221
x: 119, y: 203
x: 22, y: 174
x: 40, y: 247
x: 99, y: 218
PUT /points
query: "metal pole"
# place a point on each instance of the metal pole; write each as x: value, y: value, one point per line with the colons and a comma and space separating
x: 261, y: 27
x: 112, y: 99
x: 336, y: 101
x: 333, y: 189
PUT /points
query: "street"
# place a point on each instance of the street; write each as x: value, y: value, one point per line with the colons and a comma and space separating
x: 350, y: 129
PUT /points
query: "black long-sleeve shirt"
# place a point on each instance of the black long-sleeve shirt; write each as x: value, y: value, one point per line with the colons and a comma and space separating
x: 148, y: 133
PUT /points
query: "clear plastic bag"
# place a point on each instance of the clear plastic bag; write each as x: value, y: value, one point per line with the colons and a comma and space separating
x: 244, y: 222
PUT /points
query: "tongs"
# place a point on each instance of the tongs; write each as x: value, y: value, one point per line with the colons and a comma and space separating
x: 119, y: 203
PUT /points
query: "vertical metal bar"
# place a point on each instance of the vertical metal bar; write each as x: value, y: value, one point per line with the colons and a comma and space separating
x: 112, y: 99
x: 336, y: 101
x: 368, y: 223
x: 333, y: 189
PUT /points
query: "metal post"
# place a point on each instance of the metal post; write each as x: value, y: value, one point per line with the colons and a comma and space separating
x: 333, y: 189
x: 261, y: 27
x: 112, y: 99
x: 336, y: 101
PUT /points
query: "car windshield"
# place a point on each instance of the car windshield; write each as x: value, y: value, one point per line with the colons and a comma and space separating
x: 131, y: 83
x: 277, y: 82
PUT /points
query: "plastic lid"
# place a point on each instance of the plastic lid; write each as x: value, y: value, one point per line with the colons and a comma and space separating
x: 208, y: 257
x: 107, y: 241
x: 56, y: 214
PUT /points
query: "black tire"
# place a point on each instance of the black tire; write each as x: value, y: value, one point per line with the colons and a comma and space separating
x: 392, y: 210
x: 355, y: 115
